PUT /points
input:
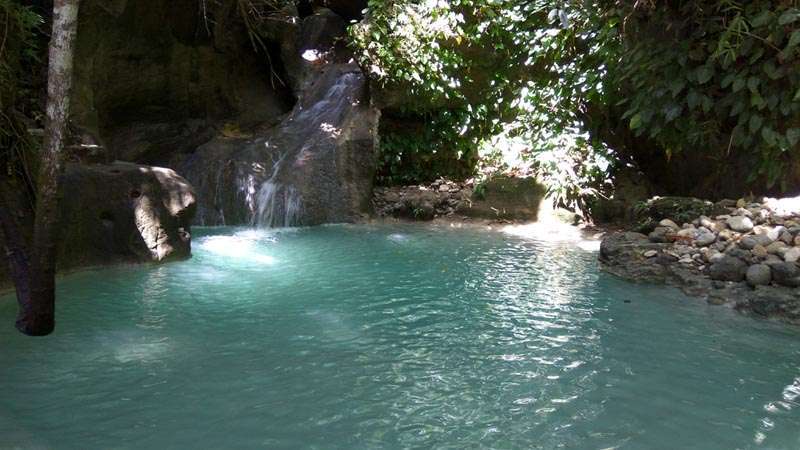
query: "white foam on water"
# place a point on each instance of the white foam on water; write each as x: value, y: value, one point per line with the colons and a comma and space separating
x: 236, y: 247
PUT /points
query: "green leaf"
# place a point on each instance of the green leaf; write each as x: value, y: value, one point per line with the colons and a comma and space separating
x: 772, y: 72
x: 739, y: 84
x: 728, y: 80
x: 755, y: 123
x: 671, y: 112
x: 793, y: 136
x: 761, y: 19
x: 769, y: 136
x: 636, y: 121
x: 752, y: 84
x: 703, y: 74
x: 677, y: 86
x: 707, y: 103
x: 794, y: 39
x: 789, y: 16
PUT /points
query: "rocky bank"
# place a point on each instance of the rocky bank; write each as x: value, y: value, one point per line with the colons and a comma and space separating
x: 735, y: 253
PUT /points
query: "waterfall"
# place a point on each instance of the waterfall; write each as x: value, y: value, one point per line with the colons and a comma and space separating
x: 314, y: 166
x: 277, y: 204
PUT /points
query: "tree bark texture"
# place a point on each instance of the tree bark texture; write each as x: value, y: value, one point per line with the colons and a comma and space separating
x: 37, y: 312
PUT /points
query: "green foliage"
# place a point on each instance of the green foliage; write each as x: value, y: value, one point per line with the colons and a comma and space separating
x: 450, y: 62
x: 18, y: 56
x: 715, y: 77
x: 475, y: 66
x: 421, y: 149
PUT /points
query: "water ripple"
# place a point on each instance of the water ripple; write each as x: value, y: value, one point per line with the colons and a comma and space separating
x: 392, y: 337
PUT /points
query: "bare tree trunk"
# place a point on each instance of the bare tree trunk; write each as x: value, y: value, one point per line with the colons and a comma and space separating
x: 37, y: 312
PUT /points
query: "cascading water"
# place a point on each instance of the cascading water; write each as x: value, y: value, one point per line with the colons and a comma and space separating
x: 277, y: 204
x: 315, y: 166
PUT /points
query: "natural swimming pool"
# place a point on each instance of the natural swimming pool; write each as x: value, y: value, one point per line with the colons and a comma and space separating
x: 391, y: 336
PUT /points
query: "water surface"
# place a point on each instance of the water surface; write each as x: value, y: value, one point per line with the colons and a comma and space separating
x: 391, y: 337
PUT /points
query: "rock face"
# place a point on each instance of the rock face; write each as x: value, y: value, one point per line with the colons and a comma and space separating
x: 154, y: 78
x: 121, y: 213
x: 317, y: 164
x: 315, y: 167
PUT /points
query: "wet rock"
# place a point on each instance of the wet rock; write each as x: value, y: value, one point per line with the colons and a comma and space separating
x: 759, y: 275
x: 316, y: 166
x: 786, y: 274
x: 728, y: 268
x: 740, y: 224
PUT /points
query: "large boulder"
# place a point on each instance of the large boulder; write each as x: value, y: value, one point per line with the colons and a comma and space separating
x: 504, y: 197
x: 124, y: 212
x: 120, y: 213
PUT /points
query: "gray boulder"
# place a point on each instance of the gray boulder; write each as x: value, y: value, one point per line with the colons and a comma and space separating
x: 749, y: 242
x: 786, y: 274
x: 705, y: 238
x: 728, y: 268
x: 742, y: 224
x: 759, y: 275
x: 124, y: 212
x: 119, y: 213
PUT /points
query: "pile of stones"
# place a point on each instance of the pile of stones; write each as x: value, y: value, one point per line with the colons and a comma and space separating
x: 440, y: 198
x: 744, y: 255
x: 756, y: 242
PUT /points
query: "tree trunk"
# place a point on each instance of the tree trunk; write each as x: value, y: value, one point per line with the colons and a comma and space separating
x: 37, y: 311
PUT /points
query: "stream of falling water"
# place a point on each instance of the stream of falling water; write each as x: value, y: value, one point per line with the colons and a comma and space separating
x: 277, y: 204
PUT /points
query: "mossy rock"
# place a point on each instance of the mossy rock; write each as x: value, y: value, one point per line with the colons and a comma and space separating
x: 504, y: 197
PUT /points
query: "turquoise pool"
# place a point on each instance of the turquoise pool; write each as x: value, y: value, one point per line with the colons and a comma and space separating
x: 348, y: 337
